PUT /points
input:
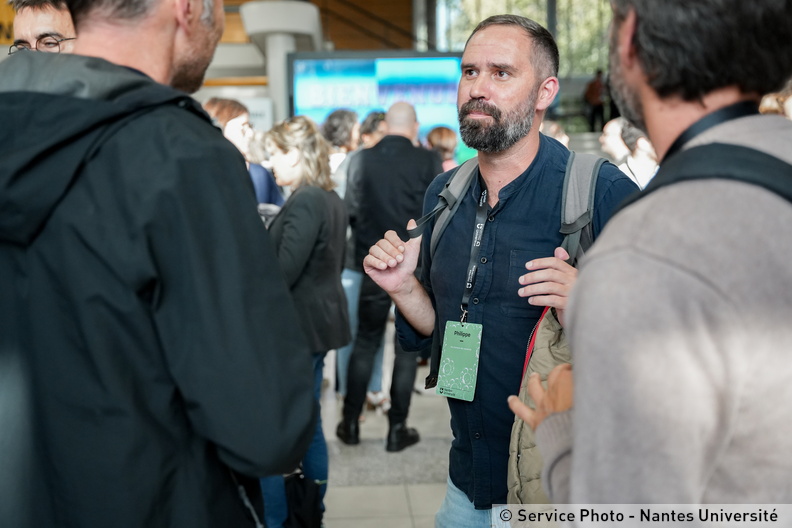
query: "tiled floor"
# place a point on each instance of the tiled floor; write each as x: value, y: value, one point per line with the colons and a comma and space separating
x: 371, y: 488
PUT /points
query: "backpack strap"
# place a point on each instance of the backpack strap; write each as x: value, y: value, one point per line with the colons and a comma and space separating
x: 577, y: 213
x: 447, y: 204
x: 577, y: 203
x: 725, y: 162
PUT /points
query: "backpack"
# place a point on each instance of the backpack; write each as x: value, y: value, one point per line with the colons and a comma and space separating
x: 577, y: 204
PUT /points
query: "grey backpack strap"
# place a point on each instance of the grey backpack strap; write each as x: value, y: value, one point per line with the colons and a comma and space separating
x: 448, y: 203
x: 577, y: 203
x: 456, y: 188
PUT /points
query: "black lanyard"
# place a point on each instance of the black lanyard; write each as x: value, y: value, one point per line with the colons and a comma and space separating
x: 475, y: 248
x: 741, y: 109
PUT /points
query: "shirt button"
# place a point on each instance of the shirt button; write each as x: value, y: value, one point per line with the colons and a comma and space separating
x: 483, y: 260
x: 491, y: 218
x: 477, y: 436
x: 475, y: 300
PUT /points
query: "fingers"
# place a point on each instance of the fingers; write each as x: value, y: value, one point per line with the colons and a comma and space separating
x: 521, y: 410
x: 386, y: 253
x: 561, y: 253
x: 536, y: 391
x: 549, y: 281
x: 411, y: 224
x: 560, y: 388
x: 550, y: 265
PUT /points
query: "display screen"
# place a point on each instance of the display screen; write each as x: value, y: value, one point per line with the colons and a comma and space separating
x: 367, y: 81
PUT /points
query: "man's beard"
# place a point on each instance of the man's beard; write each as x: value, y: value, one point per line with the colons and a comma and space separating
x: 630, y: 105
x: 188, y: 73
x: 506, y: 130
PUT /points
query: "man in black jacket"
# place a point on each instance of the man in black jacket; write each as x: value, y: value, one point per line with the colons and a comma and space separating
x: 386, y: 185
x: 152, y: 358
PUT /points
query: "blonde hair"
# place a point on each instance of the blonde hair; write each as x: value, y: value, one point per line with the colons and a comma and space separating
x: 302, y: 134
x: 775, y: 103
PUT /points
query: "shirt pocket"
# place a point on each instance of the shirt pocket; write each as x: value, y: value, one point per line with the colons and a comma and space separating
x: 513, y: 305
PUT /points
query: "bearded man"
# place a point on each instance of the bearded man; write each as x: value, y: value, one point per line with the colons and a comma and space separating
x: 509, y: 70
x: 153, y: 361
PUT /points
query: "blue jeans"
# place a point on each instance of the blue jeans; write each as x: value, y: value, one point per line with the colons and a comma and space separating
x: 458, y: 512
x: 351, y: 280
x: 314, y: 463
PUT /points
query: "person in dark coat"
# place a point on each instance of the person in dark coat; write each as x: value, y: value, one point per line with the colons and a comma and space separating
x: 309, y: 234
x: 152, y: 363
x: 386, y: 188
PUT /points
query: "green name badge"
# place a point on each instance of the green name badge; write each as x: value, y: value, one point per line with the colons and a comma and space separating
x: 460, y: 358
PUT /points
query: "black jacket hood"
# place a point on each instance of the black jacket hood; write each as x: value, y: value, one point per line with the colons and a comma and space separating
x: 56, y: 109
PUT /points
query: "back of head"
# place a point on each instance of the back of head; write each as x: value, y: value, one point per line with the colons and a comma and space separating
x: 689, y: 49
x: 443, y: 140
x: 224, y: 110
x: 338, y: 128
x: 401, y: 120
x: 544, y: 52
x: 122, y: 10
x: 303, y: 135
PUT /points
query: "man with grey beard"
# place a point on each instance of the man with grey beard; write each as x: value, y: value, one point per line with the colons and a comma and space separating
x: 152, y: 362
x: 510, y: 217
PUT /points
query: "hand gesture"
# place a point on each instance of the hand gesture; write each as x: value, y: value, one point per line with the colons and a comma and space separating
x: 557, y: 398
x: 549, y: 282
x: 391, y: 262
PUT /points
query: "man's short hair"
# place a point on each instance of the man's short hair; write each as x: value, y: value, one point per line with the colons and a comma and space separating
x: 123, y: 9
x: 337, y: 127
x: 689, y: 48
x: 37, y: 4
x: 544, y: 54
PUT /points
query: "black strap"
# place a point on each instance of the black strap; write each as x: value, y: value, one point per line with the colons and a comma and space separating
x: 448, y: 200
x: 724, y: 162
x: 737, y: 110
x: 475, y: 249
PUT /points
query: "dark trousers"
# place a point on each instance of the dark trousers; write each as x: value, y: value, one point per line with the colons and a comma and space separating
x: 596, y: 117
x: 373, y: 308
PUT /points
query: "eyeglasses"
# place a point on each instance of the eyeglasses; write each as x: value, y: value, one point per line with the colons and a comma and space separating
x: 47, y: 44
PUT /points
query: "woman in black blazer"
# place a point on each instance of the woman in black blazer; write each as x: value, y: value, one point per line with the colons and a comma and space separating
x: 309, y: 235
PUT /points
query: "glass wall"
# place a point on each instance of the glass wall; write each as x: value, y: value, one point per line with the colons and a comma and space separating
x: 581, y: 27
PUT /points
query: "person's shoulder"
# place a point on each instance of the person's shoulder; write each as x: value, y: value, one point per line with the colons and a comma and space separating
x: 612, y: 181
x: 182, y: 129
x: 312, y: 195
x: 441, y: 180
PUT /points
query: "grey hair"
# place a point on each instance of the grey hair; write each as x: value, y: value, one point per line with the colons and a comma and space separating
x: 123, y: 9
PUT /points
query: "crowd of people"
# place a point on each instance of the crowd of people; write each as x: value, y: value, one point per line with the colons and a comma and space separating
x: 163, y: 348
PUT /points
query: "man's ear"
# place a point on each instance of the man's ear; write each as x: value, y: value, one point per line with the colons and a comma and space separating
x: 626, y: 48
x: 547, y: 93
x: 186, y: 12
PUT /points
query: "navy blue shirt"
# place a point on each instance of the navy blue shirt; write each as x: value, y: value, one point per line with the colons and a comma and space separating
x: 524, y: 225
